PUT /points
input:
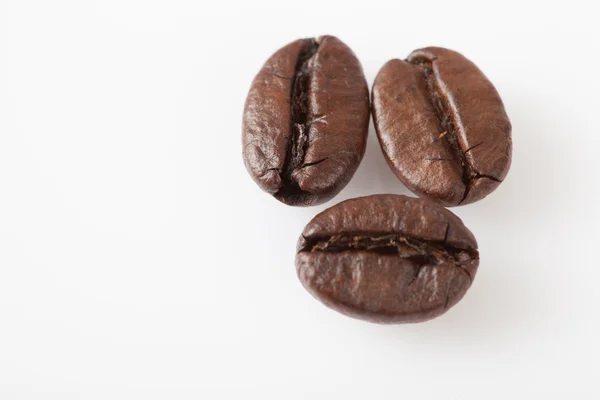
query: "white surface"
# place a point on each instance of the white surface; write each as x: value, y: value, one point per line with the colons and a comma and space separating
x: 139, y: 260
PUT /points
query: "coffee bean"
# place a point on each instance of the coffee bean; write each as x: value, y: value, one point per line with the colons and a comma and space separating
x: 387, y: 258
x: 305, y: 121
x: 442, y: 126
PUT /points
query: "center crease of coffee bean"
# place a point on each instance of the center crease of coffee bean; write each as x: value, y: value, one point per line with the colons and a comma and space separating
x: 447, y: 124
x: 419, y: 251
x: 299, y: 125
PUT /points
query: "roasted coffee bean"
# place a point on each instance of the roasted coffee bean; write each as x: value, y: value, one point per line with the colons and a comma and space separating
x: 442, y: 126
x: 387, y: 258
x: 305, y: 121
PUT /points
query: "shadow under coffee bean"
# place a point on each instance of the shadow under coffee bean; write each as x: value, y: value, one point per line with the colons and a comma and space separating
x: 442, y: 126
x: 387, y: 258
x: 305, y: 121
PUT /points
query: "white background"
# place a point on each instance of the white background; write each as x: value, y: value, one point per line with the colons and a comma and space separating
x: 138, y: 260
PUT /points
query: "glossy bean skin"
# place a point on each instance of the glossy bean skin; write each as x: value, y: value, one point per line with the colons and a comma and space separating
x: 442, y: 126
x: 305, y: 121
x: 387, y: 258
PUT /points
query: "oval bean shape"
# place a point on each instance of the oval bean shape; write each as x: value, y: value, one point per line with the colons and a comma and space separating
x: 387, y: 258
x: 305, y: 121
x: 442, y: 126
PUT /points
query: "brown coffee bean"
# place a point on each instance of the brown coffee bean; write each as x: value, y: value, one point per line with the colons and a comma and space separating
x: 387, y: 258
x: 442, y: 126
x: 305, y: 121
